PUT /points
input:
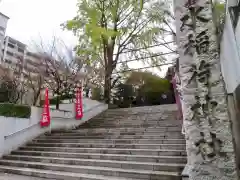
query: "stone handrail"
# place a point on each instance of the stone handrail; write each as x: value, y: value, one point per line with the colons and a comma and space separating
x: 22, y: 130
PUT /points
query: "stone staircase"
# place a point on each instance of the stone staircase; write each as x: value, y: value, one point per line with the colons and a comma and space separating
x: 137, y: 143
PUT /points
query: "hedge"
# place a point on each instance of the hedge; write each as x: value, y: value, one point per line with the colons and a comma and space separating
x: 51, y: 102
x: 15, y: 110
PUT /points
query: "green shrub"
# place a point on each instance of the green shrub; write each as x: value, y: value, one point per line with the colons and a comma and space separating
x: 15, y: 110
x: 52, y: 101
x: 9, y: 91
x: 96, y: 94
x: 67, y: 96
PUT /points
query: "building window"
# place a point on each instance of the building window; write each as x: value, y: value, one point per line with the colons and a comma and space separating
x: 20, y: 50
x: 11, y: 45
x: 8, y: 61
x: 9, y: 53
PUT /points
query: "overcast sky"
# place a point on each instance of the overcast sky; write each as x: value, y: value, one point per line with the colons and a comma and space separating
x: 30, y: 19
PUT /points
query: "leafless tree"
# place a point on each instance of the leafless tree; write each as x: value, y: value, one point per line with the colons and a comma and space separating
x: 63, y: 69
x: 35, y: 84
x: 10, y: 82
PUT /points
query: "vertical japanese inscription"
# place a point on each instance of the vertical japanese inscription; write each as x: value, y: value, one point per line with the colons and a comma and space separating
x: 199, y: 43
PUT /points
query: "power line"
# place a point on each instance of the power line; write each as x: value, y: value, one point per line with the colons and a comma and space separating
x: 158, y: 65
x: 138, y: 49
x: 154, y: 55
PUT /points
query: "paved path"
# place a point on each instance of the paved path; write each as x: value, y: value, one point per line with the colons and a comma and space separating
x: 4, y: 176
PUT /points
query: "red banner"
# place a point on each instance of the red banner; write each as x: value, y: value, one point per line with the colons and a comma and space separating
x: 78, y: 104
x: 45, y: 121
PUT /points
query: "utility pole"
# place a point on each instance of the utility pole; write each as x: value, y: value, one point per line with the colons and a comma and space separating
x: 206, y: 121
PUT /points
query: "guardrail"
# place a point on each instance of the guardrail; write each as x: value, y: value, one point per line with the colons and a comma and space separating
x: 22, y: 130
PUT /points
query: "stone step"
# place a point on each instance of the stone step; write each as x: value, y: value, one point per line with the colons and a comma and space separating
x: 142, y: 115
x: 127, y: 141
x: 8, y: 176
x: 133, y: 119
x: 84, y: 126
x: 142, y: 143
x: 60, y: 175
x: 115, y: 136
x: 120, y: 157
x: 136, y: 118
x: 99, y: 162
x: 139, y: 112
x: 119, y: 172
x: 157, y: 132
x: 134, y: 122
x: 111, y: 145
x: 154, y: 152
x: 106, y: 130
x: 176, y: 133
x: 122, y: 126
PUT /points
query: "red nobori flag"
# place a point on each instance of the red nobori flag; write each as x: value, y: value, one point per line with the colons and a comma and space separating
x: 45, y: 121
x: 78, y: 104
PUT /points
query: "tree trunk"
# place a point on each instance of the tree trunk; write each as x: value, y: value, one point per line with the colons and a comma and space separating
x: 36, y: 97
x: 57, y: 102
x: 109, y: 65
x: 107, y: 88
x: 58, y: 98
x: 206, y: 121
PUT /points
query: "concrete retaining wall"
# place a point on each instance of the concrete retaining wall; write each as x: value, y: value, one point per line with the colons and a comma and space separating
x: 15, y: 132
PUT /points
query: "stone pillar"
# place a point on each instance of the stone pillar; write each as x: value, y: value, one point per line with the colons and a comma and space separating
x: 206, y: 120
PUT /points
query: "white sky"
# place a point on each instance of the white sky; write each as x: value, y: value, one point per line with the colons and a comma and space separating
x: 32, y: 19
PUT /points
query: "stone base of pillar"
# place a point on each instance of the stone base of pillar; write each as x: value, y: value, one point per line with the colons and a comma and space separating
x: 186, y: 172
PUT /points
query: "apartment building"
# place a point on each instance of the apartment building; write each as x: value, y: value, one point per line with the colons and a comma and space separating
x: 3, y: 26
x: 13, y: 54
x: 17, y: 58
x: 28, y: 64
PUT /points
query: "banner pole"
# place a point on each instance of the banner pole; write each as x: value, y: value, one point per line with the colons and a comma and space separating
x: 45, y: 121
x: 50, y: 127
x: 79, y: 102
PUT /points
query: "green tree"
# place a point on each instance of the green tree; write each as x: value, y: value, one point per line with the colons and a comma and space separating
x: 96, y: 93
x: 106, y: 28
x: 144, y: 88
x: 149, y: 81
x: 124, y: 95
x: 9, y: 91
x: 149, y: 87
